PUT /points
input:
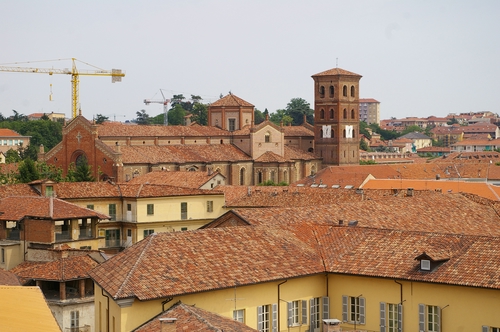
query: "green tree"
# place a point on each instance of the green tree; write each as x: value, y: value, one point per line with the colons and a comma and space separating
x: 363, y: 145
x: 200, y: 113
x: 363, y: 129
x: 296, y: 108
x: 277, y: 116
x: 50, y: 172
x: 176, y: 115
x: 411, y: 129
x: 258, y: 116
x: 28, y: 171
x: 143, y: 118
x: 12, y: 156
x: 82, y: 171
x: 99, y: 118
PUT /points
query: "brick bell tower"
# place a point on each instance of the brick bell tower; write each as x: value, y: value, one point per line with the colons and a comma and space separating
x: 336, y: 117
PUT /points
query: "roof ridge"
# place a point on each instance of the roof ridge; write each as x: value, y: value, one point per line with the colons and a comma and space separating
x: 199, y: 317
x: 135, y: 266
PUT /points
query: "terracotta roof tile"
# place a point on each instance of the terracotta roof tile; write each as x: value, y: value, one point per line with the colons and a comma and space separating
x: 231, y: 100
x: 336, y: 71
x: 68, y: 190
x: 17, y: 190
x: 191, y: 318
x: 116, y: 129
x: 64, y: 269
x: 5, y: 132
x: 16, y: 208
x: 175, y: 178
x: 182, y: 153
x: 270, y: 157
x: 7, y: 278
x: 160, y: 190
x: 299, y: 131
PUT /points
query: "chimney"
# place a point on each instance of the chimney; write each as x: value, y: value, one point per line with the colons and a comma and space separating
x: 168, y: 324
x: 51, y: 206
x: 331, y: 325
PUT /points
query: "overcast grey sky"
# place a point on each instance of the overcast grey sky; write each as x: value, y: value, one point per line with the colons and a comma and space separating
x: 417, y: 57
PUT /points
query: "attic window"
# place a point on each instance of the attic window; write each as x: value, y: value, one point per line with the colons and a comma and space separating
x: 425, y: 265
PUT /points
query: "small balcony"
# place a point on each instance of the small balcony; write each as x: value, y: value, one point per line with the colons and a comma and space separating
x: 85, y: 328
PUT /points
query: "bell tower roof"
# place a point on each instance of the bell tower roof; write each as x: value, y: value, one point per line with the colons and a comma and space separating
x: 336, y: 71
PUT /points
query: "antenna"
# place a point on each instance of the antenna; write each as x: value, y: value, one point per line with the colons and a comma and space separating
x: 336, y: 62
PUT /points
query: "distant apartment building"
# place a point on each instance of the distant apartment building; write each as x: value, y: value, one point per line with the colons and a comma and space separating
x: 369, y: 110
x: 9, y: 139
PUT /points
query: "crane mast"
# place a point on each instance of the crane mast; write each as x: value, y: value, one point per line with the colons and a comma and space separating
x: 116, y: 76
x: 165, y: 106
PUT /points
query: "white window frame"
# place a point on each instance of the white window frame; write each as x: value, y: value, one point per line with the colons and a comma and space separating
x: 210, y: 206
x: 391, y: 317
x: 150, y: 209
x: 239, y: 315
x: 75, y: 319
x: 429, y: 318
x: 264, y: 318
x: 358, y: 304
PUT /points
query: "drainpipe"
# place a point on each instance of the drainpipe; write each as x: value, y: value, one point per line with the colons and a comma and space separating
x: 279, y: 299
x: 400, y: 291
x: 107, y: 311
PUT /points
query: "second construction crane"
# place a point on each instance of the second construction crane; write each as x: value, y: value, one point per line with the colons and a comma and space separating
x: 165, y: 106
x: 116, y: 76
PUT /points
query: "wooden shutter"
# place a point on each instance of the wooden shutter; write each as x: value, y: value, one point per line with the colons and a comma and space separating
x: 275, y: 317
x: 400, y: 318
x: 382, y: 317
x: 362, y: 310
x: 290, y: 313
x: 259, y: 318
x: 439, y: 318
x: 304, y: 312
x: 344, y: 308
x: 312, y: 315
x: 421, y: 317
x: 326, y: 307
x: 486, y: 329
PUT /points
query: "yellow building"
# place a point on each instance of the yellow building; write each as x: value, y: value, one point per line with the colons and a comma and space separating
x: 139, y: 209
x: 289, y: 276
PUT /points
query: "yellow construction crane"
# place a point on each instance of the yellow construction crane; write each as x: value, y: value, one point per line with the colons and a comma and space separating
x: 116, y: 76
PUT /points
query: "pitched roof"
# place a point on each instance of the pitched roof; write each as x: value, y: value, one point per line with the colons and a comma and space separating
x: 415, y: 135
x: 336, y: 71
x: 101, y: 189
x: 294, y: 153
x: 189, y: 269
x: 176, y: 178
x: 136, y: 190
x: 25, y: 309
x: 16, y: 208
x: 270, y: 157
x: 7, y: 278
x: 20, y: 189
x: 482, y: 189
x: 368, y: 100
x: 191, y: 318
x: 116, y: 129
x: 5, y: 132
x: 64, y: 269
x: 182, y: 153
x: 299, y: 131
x: 231, y: 100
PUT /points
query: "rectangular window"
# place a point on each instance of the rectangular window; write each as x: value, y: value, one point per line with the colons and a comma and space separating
x: 3, y: 255
x: 495, y: 329
x: 432, y: 318
x: 148, y: 231
x: 129, y: 207
x: 239, y: 315
x: 429, y: 318
x: 112, y: 211
x: 75, y: 319
x: 390, y: 316
x: 264, y: 318
x: 315, y: 314
x: 151, y: 209
x: 184, y: 229
x: 210, y: 206
x: 353, y: 309
x: 90, y: 206
x: 232, y: 124
x: 184, y: 210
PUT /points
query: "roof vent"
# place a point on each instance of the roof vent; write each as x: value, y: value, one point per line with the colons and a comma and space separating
x: 349, y: 186
x: 341, y: 222
x: 425, y: 265
x: 353, y: 223
x: 336, y: 186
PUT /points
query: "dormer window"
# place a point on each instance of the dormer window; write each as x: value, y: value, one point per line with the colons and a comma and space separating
x: 425, y: 265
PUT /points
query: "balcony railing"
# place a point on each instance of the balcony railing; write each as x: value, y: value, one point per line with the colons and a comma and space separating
x: 13, y: 234
x: 85, y: 328
x: 85, y: 233
x: 63, y: 235
x: 113, y: 243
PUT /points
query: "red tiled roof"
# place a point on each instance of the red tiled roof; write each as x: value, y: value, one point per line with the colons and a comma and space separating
x: 16, y: 208
x: 160, y: 190
x: 182, y: 153
x: 64, y: 269
x: 298, y: 131
x: 270, y: 157
x: 368, y: 100
x: 336, y: 71
x: 66, y: 190
x: 17, y: 190
x: 7, y: 278
x: 5, y: 132
x: 117, y: 129
x: 175, y: 178
x: 231, y: 100
x: 294, y: 153
x: 142, y: 270
x: 191, y: 318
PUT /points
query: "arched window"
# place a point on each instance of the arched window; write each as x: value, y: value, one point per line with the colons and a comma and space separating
x: 344, y: 133
x: 267, y: 137
x: 313, y: 170
x: 242, y: 176
x: 331, y: 113
x: 332, y: 91
x: 352, y: 114
x: 345, y: 113
x: 344, y: 91
x: 322, y: 114
x: 353, y: 91
x: 322, y: 91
